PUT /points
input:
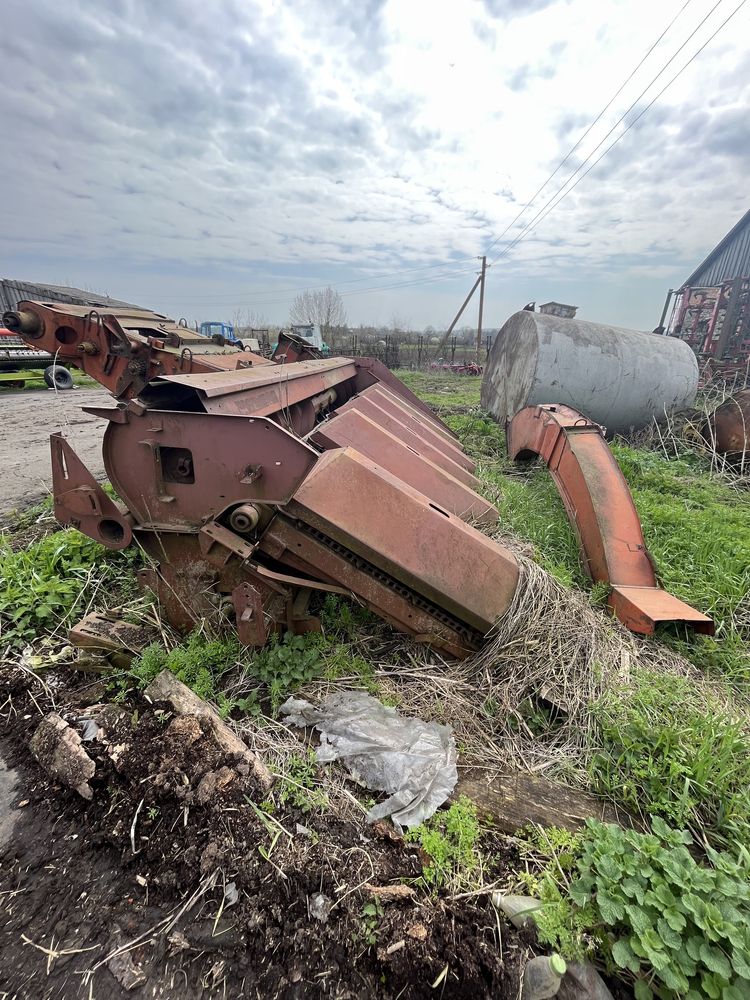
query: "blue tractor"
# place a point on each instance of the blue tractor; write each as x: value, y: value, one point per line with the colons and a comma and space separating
x: 225, y: 330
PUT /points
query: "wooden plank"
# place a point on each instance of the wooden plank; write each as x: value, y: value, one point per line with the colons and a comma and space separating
x: 515, y: 799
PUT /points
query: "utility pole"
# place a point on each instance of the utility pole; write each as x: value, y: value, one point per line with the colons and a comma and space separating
x: 481, y: 306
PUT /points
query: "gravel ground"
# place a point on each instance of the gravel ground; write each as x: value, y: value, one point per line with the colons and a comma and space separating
x: 27, y: 418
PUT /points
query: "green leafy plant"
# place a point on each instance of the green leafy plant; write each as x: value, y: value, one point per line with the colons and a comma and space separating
x: 667, y: 748
x: 198, y: 662
x: 298, y: 785
x: 284, y: 665
x: 45, y: 583
x: 342, y: 619
x: 371, y: 914
x: 551, y: 855
x: 674, y: 927
x: 450, y: 839
x: 641, y: 904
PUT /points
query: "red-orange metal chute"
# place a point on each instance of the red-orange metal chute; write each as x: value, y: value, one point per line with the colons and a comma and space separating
x: 601, y: 509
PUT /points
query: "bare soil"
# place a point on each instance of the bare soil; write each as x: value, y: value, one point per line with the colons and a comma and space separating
x: 27, y: 418
x: 143, y: 868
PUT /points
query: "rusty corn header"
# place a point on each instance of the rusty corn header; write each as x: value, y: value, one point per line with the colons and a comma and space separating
x: 259, y: 483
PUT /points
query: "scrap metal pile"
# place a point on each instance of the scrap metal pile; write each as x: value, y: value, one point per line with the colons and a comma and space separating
x: 262, y: 482
x: 256, y: 482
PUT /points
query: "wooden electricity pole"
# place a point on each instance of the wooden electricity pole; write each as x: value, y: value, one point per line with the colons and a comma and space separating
x: 479, y: 283
x: 481, y: 306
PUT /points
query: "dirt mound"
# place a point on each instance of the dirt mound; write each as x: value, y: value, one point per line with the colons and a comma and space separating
x: 179, y: 879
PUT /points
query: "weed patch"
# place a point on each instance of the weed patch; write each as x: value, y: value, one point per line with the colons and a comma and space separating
x: 645, y: 907
x: 298, y: 785
x: 668, y: 749
x: 284, y: 664
x: 198, y: 662
x: 450, y: 840
x: 45, y: 584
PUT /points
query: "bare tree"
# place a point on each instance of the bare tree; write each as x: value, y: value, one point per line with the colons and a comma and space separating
x: 323, y: 308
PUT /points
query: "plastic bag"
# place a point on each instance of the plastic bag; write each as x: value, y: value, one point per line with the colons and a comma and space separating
x: 413, y: 761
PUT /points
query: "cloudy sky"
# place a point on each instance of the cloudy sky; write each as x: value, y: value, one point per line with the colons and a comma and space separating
x: 206, y: 156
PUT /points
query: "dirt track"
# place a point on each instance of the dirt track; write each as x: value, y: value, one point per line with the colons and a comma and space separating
x: 27, y: 419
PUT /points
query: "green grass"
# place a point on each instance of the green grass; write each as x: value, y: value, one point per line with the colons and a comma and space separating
x: 697, y: 527
x: 669, y: 749
x: 43, y: 586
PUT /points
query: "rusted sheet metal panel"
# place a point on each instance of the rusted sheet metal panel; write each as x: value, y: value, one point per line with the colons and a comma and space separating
x: 81, y: 502
x: 415, y: 438
x: 408, y: 415
x: 179, y: 469
x: 392, y: 526
x: 386, y: 378
x: 123, y: 350
x: 728, y: 428
x: 354, y: 429
x: 642, y: 608
x: 601, y: 509
x: 239, y: 393
x: 215, y: 384
x: 317, y: 556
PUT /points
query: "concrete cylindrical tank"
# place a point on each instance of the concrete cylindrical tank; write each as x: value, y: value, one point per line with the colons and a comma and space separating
x: 616, y: 377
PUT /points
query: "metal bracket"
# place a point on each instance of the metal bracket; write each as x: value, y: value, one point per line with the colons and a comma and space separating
x: 81, y: 502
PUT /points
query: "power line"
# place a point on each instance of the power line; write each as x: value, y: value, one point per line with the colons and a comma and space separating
x: 624, y: 132
x: 598, y: 118
x: 312, y: 288
x: 261, y: 299
x: 378, y: 288
x: 542, y: 213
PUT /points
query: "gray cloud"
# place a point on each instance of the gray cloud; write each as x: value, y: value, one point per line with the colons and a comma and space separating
x: 222, y: 140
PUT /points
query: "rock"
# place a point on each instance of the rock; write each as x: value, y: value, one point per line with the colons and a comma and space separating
x: 166, y: 687
x: 58, y: 749
x: 213, y: 783
x: 210, y: 857
x: 125, y: 971
x: 185, y: 729
x: 320, y: 907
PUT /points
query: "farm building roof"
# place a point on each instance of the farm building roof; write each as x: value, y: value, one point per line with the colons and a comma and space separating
x: 12, y: 292
x: 730, y: 258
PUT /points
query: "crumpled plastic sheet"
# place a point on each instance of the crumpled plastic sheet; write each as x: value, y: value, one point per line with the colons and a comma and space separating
x: 413, y: 761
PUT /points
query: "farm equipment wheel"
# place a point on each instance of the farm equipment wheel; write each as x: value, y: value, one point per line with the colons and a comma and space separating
x: 58, y: 377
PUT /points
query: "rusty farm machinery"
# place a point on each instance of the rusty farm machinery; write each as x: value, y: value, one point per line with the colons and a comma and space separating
x: 256, y: 483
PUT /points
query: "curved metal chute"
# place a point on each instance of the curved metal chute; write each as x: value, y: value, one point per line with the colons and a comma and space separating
x: 601, y: 509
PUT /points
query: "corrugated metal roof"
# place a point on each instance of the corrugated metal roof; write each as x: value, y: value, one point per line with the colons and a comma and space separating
x: 12, y: 292
x: 729, y: 259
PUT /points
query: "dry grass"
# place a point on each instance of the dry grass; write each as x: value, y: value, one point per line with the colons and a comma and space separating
x: 527, y: 699
x: 690, y: 431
